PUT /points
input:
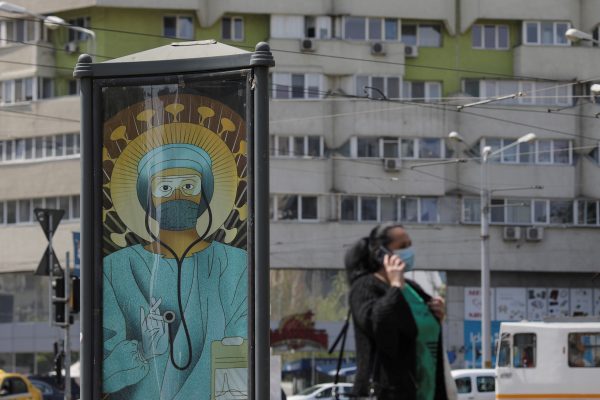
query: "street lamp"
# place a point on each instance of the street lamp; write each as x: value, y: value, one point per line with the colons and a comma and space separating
x: 51, y: 22
x: 575, y: 35
x: 486, y: 154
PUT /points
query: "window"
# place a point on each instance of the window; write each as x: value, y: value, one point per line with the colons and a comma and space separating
x: 419, y: 210
x: 544, y: 151
x: 15, y: 31
x: 545, y: 33
x: 540, y: 212
x: 388, y: 86
x: 430, y: 148
x: 389, y: 209
x: 536, y: 93
x: 296, y: 86
x: 561, y: 212
x: 497, y: 210
x: 368, y: 209
x: 82, y: 22
x: 422, y: 91
x: 471, y: 210
x: 518, y: 211
x: 349, y: 208
x: 362, y: 28
x: 391, y: 148
x: 524, y: 345
x: 367, y: 147
x: 429, y: 210
x: 30, y: 149
x: 424, y: 35
x: 180, y: 27
x: 429, y: 35
x: 407, y: 148
x: 294, y: 207
x: 232, y: 28
x: 355, y: 28
x: 587, y: 212
x: 584, y: 350
x: 504, y: 352
x: 486, y: 384
x: 490, y: 37
x: 297, y: 146
x: 463, y: 385
x: 11, y: 212
x: 388, y: 147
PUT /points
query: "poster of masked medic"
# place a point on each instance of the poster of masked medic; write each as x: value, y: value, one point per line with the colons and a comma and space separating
x: 175, y: 265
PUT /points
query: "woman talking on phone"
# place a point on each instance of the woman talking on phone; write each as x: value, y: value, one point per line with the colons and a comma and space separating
x: 397, y: 325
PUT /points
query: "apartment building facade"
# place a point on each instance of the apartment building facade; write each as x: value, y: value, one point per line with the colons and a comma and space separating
x: 363, y: 98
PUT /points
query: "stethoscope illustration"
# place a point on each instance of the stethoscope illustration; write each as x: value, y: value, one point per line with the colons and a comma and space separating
x: 169, y: 316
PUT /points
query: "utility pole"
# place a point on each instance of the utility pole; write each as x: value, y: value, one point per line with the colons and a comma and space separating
x: 61, y: 293
x: 67, y: 330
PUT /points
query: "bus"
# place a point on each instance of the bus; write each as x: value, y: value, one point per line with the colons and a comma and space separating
x: 549, y: 360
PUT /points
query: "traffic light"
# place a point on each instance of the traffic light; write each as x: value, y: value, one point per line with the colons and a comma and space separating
x: 58, y: 299
x: 74, y: 299
x: 59, y: 355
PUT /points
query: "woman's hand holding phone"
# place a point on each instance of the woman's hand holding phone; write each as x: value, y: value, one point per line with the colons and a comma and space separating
x: 394, y: 269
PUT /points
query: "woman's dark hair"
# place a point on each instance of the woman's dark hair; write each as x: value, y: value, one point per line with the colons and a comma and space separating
x: 361, y: 258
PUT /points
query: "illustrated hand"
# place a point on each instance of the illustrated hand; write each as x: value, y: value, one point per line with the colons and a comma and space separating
x: 437, y: 305
x: 124, y: 366
x: 154, y: 331
x: 394, y: 269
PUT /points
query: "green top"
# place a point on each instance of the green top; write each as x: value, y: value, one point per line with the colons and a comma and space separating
x: 428, y: 335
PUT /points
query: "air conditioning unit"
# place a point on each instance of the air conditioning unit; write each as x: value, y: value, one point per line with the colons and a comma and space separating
x: 512, y: 233
x: 377, y: 49
x: 411, y: 51
x: 392, y: 164
x: 71, y: 47
x: 307, y: 45
x: 534, y: 233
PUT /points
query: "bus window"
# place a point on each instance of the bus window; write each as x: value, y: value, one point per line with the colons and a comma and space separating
x: 524, y: 353
x: 584, y: 350
x: 504, y: 353
x: 463, y: 385
x: 486, y: 384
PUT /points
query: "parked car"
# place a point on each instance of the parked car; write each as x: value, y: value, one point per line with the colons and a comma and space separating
x: 42, y: 382
x: 475, y: 384
x: 17, y: 387
x: 324, y: 391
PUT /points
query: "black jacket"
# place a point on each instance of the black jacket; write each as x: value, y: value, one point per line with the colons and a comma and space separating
x: 385, y: 333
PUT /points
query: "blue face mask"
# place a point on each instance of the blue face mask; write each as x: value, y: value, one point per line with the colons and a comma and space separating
x: 408, y: 256
x: 178, y: 215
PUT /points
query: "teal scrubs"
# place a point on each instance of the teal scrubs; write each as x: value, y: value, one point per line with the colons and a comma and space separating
x: 214, y: 295
x: 428, y: 336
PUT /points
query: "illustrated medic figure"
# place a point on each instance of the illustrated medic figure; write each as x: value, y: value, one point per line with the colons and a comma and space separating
x: 167, y: 301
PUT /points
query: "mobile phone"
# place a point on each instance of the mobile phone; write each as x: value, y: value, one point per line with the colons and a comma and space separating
x: 381, y: 252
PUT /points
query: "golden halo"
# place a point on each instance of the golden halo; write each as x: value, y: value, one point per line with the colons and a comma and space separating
x: 123, y: 184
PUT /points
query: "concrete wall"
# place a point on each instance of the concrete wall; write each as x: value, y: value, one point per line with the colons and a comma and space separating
x: 557, y: 62
x: 560, y: 10
x: 438, y: 247
x: 21, y: 61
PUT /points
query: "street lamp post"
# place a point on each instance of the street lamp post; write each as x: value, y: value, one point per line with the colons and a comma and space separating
x: 575, y: 35
x: 486, y: 155
x: 51, y: 22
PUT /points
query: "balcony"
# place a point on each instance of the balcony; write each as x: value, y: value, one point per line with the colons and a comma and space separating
x: 23, y: 60
x: 561, y: 10
x: 557, y: 62
x: 288, y: 56
x: 368, y: 176
x: 558, y: 181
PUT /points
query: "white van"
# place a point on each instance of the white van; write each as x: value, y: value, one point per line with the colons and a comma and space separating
x: 548, y: 360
